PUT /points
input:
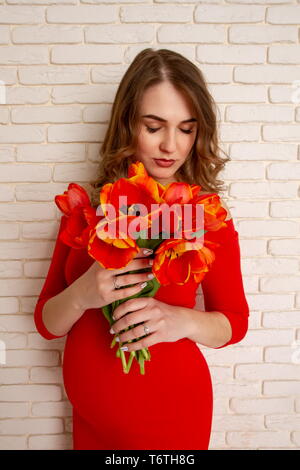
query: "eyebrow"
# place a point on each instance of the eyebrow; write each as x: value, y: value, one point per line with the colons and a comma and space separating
x: 157, y: 118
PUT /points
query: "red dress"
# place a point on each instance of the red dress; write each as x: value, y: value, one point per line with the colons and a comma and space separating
x: 171, y: 406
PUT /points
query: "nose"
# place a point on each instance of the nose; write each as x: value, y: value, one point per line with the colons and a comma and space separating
x: 168, y: 143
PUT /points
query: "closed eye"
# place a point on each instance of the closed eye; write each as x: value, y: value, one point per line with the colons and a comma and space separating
x: 151, y: 130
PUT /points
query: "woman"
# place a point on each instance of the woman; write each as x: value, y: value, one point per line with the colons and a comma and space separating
x: 162, y: 111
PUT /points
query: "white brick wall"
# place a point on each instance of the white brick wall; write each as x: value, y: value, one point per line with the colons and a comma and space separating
x: 61, y: 64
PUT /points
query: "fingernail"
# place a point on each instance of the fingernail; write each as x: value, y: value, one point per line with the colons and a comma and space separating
x: 124, y: 348
x: 143, y: 285
x: 147, y: 251
x: 117, y: 339
x: 150, y: 262
x: 111, y: 331
x: 150, y: 276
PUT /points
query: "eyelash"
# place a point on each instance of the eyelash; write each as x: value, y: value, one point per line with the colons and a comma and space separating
x: 151, y: 130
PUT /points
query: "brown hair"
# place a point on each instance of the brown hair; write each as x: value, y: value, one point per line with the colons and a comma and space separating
x: 150, y: 68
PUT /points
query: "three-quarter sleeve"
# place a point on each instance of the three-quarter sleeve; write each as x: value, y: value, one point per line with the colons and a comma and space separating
x: 54, y: 283
x: 222, y: 286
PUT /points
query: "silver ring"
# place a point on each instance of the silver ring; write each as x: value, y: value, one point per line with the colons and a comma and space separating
x: 115, y: 283
x: 146, y: 329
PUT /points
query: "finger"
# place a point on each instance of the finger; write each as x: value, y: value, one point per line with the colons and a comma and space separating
x: 133, y: 318
x: 135, y: 264
x: 135, y: 333
x: 130, y: 306
x: 149, y: 340
x: 143, y: 252
x: 132, y: 279
x: 128, y: 291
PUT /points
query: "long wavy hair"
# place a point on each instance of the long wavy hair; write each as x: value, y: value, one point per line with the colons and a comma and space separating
x: 151, y: 67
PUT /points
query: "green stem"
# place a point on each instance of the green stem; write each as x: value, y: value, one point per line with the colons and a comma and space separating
x: 132, y: 355
x: 123, y: 359
x: 142, y: 363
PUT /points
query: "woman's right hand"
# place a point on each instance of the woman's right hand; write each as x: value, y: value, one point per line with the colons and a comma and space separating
x: 95, y: 288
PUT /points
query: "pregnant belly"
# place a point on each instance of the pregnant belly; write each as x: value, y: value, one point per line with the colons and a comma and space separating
x: 176, y: 385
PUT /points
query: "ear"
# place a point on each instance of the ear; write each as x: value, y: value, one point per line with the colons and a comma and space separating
x: 223, y: 203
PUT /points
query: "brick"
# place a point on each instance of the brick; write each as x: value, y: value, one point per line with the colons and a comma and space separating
x: 40, y: 230
x: 283, y: 422
x: 15, y: 410
x: 265, y: 301
x: 39, y: 192
x: 283, y: 94
x: 280, y: 354
x: 280, y: 284
x: 48, y: 75
x: 7, y: 153
x: 286, y: 319
x: 284, y: 54
x: 284, y: 209
x: 86, y: 54
x: 244, y: 170
x: 82, y: 14
x: 22, y: 14
x: 229, y: 13
x: 20, y: 211
x: 31, y: 426
x: 268, y: 228
x: 10, y: 269
x: 12, y: 55
x: 231, y: 54
x: 47, y: 34
x: 76, y: 172
x: 288, y: 133
x: 27, y: 95
x: 232, y: 132
x: 284, y: 171
x: 286, y: 14
x: 51, y: 442
x: 264, y: 190
x: 18, y: 134
x: 255, y: 439
x: 239, y: 93
x: 263, y: 151
x: 261, y: 113
x: 119, y: 33
x: 9, y: 231
x: 24, y: 172
x: 262, y: 34
x: 156, y: 13
x: 281, y: 387
x: 82, y: 94
x: 265, y: 372
x: 46, y: 374
x: 192, y: 33
x: 20, y: 286
x: 257, y: 209
x: 75, y: 133
x: 72, y: 152
x: 7, y: 193
x: 266, y: 73
x: 36, y: 268
x: 45, y: 114
x: 27, y: 249
x: 4, y: 34
x: 289, y: 246
x: 8, y: 305
x: 269, y: 265
x: 29, y: 392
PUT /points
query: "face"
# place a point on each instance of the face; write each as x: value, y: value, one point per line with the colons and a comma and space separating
x: 167, y: 138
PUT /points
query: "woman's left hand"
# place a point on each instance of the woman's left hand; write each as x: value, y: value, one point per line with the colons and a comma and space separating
x: 166, y: 322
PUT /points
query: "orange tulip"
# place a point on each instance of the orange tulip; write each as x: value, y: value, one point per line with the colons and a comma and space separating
x: 81, y: 216
x: 176, y: 261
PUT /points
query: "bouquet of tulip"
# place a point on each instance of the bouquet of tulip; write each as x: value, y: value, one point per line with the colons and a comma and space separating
x: 134, y: 213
